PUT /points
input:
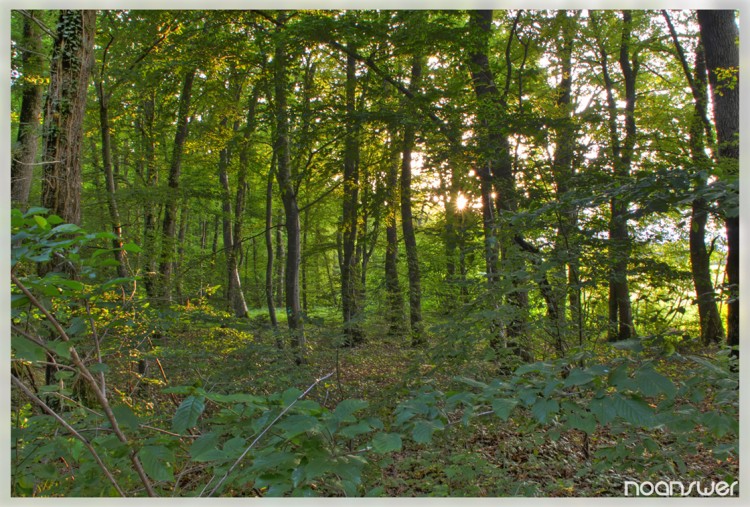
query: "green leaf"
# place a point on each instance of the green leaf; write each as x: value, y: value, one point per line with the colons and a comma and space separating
x: 297, y: 424
x: 578, y: 377
x: 126, y: 417
x: 603, y: 409
x: 633, y: 344
x: 205, y: 448
x: 282, y: 460
x: 26, y: 349
x: 65, y: 228
x: 157, y: 462
x: 632, y: 410
x: 583, y: 421
x: 503, y: 407
x: 344, y: 411
x: 471, y: 382
x: 187, y: 414
x: 543, y: 408
x: 652, y: 383
x: 709, y: 365
x: 423, y: 430
x: 132, y: 248
x: 386, y: 442
x: 41, y: 221
x: 360, y: 428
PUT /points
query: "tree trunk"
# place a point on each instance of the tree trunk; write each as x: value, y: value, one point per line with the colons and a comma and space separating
x: 712, y: 330
x: 349, y: 268
x: 269, y: 251
x: 27, y: 143
x: 63, y: 119
x: 394, y: 298
x: 620, y: 311
x: 280, y: 261
x: 170, y: 211
x: 289, y: 198
x: 407, y: 221
x: 720, y: 34
x: 151, y: 210
x: 114, y: 212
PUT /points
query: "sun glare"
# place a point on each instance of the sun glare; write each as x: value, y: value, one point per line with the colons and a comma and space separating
x: 461, y: 202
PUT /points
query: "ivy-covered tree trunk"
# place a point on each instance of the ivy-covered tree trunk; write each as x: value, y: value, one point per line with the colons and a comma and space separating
x: 26, y: 147
x: 169, y: 224
x: 720, y: 38
x: 407, y: 220
x: 64, y: 111
x: 288, y: 190
x: 350, y: 266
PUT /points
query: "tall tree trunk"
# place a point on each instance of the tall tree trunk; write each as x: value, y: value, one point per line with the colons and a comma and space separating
x: 394, y: 297
x: 114, y: 212
x: 151, y: 209
x: 349, y: 267
x: 496, y: 176
x: 27, y: 143
x: 269, y: 251
x: 712, y: 330
x: 289, y: 198
x: 64, y: 111
x: 179, y: 262
x: 620, y: 311
x: 170, y: 211
x: 280, y: 262
x: 407, y: 220
x: 563, y: 172
x: 720, y: 36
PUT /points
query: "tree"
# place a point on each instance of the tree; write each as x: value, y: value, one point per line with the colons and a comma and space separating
x: 169, y: 225
x: 26, y: 146
x: 720, y: 36
x: 701, y: 134
x: 288, y: 190
x: 72, y: 58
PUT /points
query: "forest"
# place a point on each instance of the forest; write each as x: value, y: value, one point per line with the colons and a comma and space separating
x: 374, y: 253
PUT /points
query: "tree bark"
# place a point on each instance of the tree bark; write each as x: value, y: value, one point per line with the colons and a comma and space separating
x: 620, y: 311
x: 349, y: 268
x: 27, y: 143
x: 289, y: 198
x: 407, y: 220
x: 169, y: 224
x: 269, y: 251
x: 151, y: 210
x: 720, y: 35
x: 394, y: 297
x: 72, y: 59
x: 712, y: 329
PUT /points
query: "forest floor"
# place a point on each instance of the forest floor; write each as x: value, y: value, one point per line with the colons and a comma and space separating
x: 488, y: 458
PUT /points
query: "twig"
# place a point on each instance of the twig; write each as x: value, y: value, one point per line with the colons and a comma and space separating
x: 257, y: 439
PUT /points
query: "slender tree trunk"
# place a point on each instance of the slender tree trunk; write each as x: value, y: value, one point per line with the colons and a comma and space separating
x: 151, y: 210
x: 620, y: 311
x: 72, y: 59
x: 280, y: 262
x: 407, y: 220
x: 496, y: 177
x: 27, y: 143
x: 712, y: 330
x: 170, y: 212
x: 349, y: 266
x: 269, y: 252
x: 179, y: 262
x: 289, y: 198
x: 114, y: 212
x: 720, y: 35
x: 394, y: 297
